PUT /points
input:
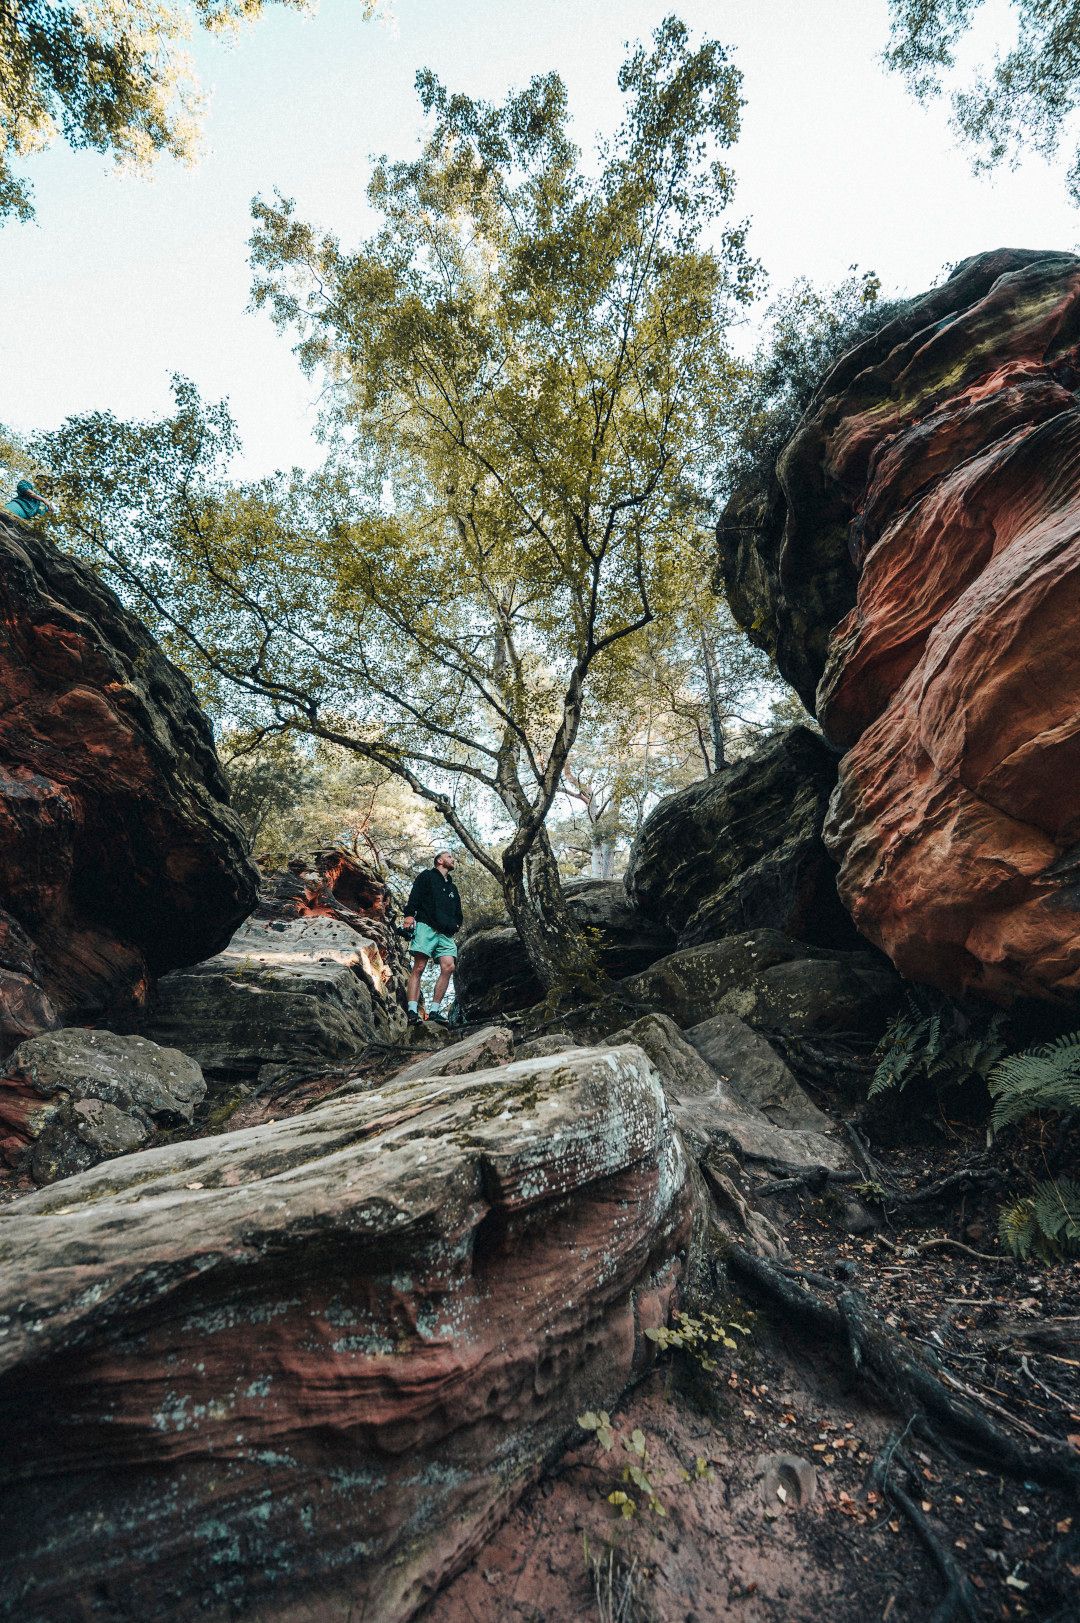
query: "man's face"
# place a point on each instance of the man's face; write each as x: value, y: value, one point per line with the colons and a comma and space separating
x: 445, y: 865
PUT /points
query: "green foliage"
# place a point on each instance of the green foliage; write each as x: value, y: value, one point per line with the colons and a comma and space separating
x: 807, y: 333
x: 1024, y: 102
x: 934, y: 1041
x: 697, y: 1337
x: 1043, y: 1078
x: 640, y: 1473
x: 526, y: 369
x: 112, y: 76
x: 1045, y: 1223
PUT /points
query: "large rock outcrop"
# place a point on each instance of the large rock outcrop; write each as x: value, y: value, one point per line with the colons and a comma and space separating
x: 742, y: 850
x: 304, y: 985
x: 493, y: 973
x: 119, y: 857
x: 917, y: 575
x: 305, y: 1368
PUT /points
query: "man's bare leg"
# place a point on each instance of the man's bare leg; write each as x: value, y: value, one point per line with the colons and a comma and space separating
x: 419, y: 964
x: 446, y: 969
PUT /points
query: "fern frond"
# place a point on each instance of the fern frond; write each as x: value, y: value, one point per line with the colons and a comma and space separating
x: 1044, y: 1078
x: 1046, y: 1222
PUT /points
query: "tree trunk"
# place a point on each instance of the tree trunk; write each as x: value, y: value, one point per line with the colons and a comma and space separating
x: 561, y: 953
x: 603, y: 857
x: 716, y: 720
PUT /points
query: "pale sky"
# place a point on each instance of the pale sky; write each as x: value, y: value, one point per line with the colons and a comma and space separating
x: 123, y: 280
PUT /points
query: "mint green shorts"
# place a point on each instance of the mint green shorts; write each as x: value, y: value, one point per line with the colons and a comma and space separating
x: 431, y: 943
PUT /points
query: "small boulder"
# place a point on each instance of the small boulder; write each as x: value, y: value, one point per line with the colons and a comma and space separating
x: 748, y: 1062
x: 285, y: 993
x: 852, y: 995
x: 481, y: 1051
x: 72, y: 1098
x: 743, y: 849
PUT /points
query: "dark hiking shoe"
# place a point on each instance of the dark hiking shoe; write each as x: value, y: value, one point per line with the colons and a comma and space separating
x: 413, y: 1017
x: 438, y: 1018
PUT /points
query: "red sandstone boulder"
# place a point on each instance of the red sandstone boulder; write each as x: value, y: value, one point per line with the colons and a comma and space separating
x: 311, y: 1364
x: 921, y: 564
x: 119, y: 857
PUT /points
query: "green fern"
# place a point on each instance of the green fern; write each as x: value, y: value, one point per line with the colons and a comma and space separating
x: 1045, y: 1223
x: 935, y: 1040
x: 1044, y: 1078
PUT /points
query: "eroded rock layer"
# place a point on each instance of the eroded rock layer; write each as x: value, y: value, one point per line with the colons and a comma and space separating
x: 314, y: 1362
x: 921, y: 565
x: 742, y: 850
x: 119, y: 857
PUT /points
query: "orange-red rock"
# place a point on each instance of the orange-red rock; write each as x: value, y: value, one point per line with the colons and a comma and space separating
x: 119, y: 857
x: 934, y: 484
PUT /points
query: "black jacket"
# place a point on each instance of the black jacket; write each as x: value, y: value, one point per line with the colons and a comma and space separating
x: 435, y: 901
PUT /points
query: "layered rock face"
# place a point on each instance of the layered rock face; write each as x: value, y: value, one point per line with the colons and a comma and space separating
x: 119, y: 857
x: 305, y: 984
x: 920, y: 568
x: 742, y: 850
x: 308, y: 1366
x: 494, y: 974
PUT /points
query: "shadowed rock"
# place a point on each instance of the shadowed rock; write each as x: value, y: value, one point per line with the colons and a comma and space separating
x: 493, y: 974
x: 314, y: 1362
x: 742, y: 850
x: 70, y: 1099
x: 119, y: 857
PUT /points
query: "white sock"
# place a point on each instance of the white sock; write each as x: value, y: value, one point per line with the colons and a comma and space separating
x: 435, y: 1007
x: 413, y: 1007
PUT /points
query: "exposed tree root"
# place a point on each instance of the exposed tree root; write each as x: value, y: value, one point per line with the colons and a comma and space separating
x: 959, y: 1600
x: 906, y: 1384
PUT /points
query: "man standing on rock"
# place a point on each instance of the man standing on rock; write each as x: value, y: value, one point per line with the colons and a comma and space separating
x: 433, y: 913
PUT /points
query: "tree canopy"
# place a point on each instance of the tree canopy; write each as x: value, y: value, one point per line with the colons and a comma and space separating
x: 526, y: 371
x: 111, y: 75
x: 1024, y: 101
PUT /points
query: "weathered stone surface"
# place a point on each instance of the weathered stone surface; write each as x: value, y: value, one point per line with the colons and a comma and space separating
x: 688, y: 985
x: 743, y: 849
x: 311, y: 1364
x: 72, y: 1098
x: 846, y: 994
x: 553, y: 1042
x: 285, y: 993
x: 920, y: 566
x: 749, y: 1102
x: 737, y: 1054
x: 493, y: 973
x: 480, y: 1051
x: 119, y: 857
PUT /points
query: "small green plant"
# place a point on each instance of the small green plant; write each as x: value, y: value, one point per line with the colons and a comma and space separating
x: 936, y: 1041
x: 696, y: 1337
x: 640, y: 1472
x: 1045, y: 1223
x: 1043, y: 1078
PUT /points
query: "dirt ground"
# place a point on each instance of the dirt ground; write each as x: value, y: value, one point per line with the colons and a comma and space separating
x: 728, y: 1546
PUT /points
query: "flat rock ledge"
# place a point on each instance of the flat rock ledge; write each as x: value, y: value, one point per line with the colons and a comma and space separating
x: 304, y: 1369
